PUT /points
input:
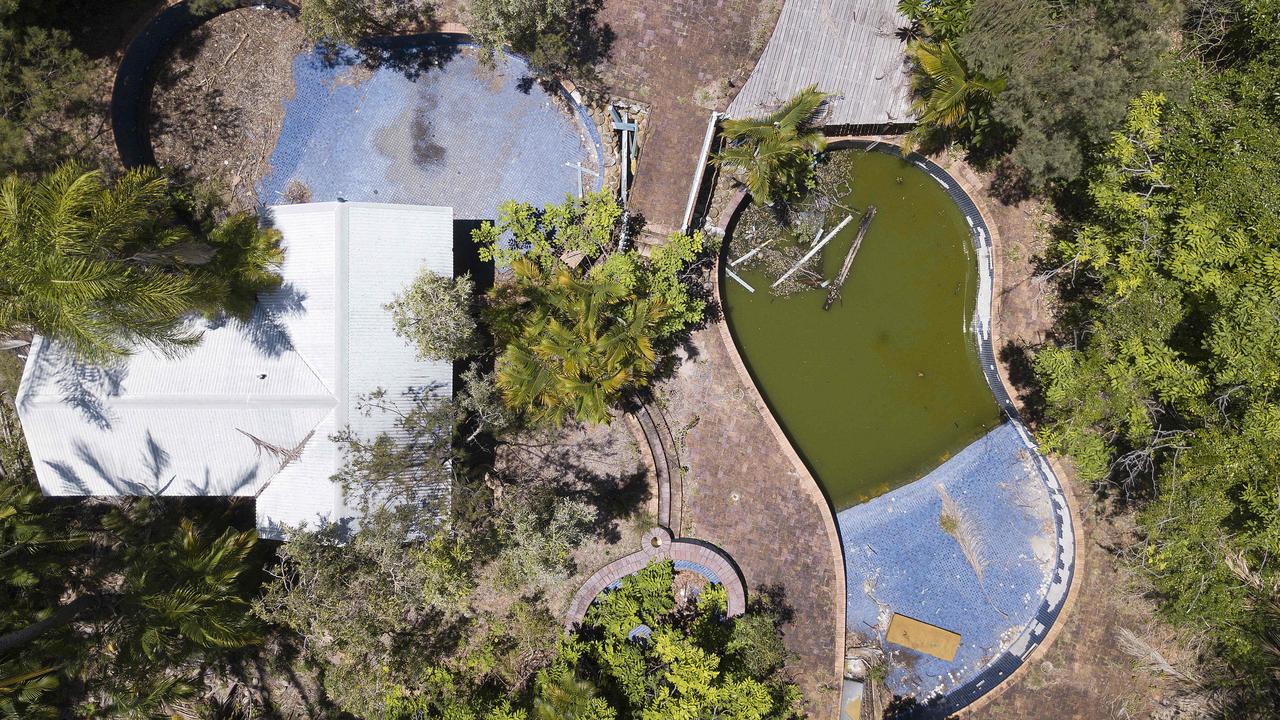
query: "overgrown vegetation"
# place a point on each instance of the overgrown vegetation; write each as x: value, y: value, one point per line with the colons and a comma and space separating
x: 649, y: 657
x: 559, y: 37
x: 1163, y: 377
x: 105, y: 266
x: 1044, y: 82
x: 43, y: 79
x: 775, y: 154
x: 582, y: 320
x: 110, y: 609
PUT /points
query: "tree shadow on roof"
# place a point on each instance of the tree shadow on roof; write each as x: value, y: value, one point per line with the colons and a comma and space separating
x: 80, y: 385
x: 266, y: 330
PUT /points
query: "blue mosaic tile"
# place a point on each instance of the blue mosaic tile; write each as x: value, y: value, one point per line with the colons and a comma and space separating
x: 459, y: 135
x: 899, y: 559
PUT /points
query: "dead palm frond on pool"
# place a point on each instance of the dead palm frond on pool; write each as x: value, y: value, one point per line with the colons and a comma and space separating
x: 960, y: 526
x: 775, y: 153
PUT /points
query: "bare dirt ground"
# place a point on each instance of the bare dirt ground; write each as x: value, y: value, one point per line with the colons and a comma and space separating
x: 601, y: 465
x: 218, y: 101
x: 1084, y: 674
x: 743, y: 494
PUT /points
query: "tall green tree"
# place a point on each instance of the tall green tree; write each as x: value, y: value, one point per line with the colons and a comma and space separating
x: 587, y: 232
x: 104, y: 266
x: 688, y: 667
x: 42, y: 78
x: 1070, y: 70
x: 1170, y: 394
x: 559, y: 37
x: 582, y: 343
x: 567, y: 697
x: 949, y: 96
x: 437, y: 314
x: 775, y: 153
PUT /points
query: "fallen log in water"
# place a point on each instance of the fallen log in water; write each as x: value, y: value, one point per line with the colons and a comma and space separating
x: 848, y: 259
x: 813, y: 251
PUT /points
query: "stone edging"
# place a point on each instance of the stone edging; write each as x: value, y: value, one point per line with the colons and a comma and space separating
x: 975, y: 195
x: 808, y: 484
x: 1035, y: 633
x: 666, y: 463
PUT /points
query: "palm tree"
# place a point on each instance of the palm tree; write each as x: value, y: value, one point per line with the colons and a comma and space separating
x: 186, y: 591
x: 103, y: 266
x: 948, y: 94
x: 565, y: 697
x: 582, y: 342
x: 776, y: 152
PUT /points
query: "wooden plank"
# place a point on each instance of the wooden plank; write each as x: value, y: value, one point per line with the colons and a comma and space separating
x: 812, y: 252
x: 923, y: 637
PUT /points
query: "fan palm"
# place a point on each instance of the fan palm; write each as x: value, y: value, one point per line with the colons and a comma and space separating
x: 187, y: 590
x: 775, y: 153
x: 103, y: 266
x: 583, y: 341
x: 948, y: 94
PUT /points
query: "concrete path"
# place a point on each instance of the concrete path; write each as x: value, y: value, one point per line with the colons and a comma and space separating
x: 681, y: 57
x: 686, y: 553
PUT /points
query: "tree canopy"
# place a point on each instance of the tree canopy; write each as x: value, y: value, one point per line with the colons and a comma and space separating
x: 1169, y: 392
x: 581, y: 320
x: 690, y: 663
x: 42, y: 77
x: 775, y: 152
x: 113, y: 608
x: 1044, y: 81
x: 105, y: 265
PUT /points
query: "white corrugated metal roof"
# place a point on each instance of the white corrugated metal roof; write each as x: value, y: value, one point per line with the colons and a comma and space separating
x: 849, y: 48
x: 291, y: 377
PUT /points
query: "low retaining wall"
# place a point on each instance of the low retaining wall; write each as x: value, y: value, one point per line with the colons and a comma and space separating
x: 699, y: 556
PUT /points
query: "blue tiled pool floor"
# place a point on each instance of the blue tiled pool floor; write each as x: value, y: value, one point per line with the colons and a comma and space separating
x: 459, y: 135
x: 899, y: 559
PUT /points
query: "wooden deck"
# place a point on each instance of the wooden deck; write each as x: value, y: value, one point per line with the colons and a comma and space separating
x: 849, y: 48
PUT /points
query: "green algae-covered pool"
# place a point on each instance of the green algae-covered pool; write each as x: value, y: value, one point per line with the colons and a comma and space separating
x: 886, y: 385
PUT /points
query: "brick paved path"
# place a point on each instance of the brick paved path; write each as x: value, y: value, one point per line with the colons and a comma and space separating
x: 744, y: 493
x: 665, y: 52
x: 688, y: 550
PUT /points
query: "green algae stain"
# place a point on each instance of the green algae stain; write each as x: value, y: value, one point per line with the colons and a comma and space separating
x: 875, y: 391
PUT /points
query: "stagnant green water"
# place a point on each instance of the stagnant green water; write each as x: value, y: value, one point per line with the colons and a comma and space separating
x: 886, y: 385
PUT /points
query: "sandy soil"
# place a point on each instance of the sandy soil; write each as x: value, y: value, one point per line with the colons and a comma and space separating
x: 601, y: 465
x: 218, y: 100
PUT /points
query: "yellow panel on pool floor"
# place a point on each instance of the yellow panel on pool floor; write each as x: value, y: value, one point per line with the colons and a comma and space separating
x: 921, y: 636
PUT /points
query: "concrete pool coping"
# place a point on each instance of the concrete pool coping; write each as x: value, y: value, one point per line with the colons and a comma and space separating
x: 809, y: 484
x: 985, y: 241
